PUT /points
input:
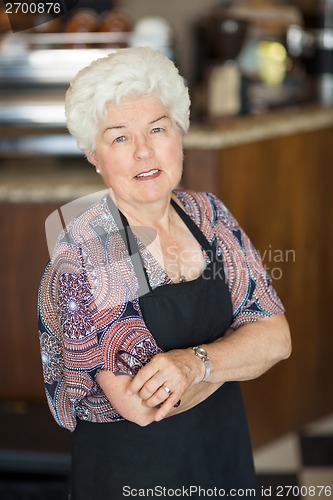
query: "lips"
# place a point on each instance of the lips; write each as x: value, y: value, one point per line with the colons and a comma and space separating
x: 149, y: 174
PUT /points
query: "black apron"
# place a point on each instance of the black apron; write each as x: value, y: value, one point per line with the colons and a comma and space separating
x: 207, y: 447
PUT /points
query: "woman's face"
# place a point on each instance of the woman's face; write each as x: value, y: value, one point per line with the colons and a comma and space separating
x: 139, y: 151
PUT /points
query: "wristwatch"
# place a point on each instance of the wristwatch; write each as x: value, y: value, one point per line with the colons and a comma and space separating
x: 203, y: 355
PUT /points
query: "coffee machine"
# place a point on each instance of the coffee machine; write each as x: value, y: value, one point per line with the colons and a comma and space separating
x: 219, y: 38
x: 312, y: 42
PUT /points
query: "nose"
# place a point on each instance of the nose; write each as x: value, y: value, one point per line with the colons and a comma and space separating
x: 142, y: 149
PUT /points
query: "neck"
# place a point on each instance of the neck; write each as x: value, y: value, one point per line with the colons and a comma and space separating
x: 154, y: 214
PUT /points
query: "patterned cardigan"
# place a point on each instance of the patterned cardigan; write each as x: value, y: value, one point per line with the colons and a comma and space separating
x: 89, y: 312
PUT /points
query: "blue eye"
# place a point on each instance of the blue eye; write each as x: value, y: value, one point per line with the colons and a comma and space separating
x: 121, y: 138
x: 156, y: 130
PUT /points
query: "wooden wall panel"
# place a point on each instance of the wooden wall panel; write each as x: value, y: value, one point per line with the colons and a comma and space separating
x: 23, y: 255
x: 280, y: 191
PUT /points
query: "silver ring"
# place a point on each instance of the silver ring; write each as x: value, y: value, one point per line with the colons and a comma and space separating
x: 167, y: 389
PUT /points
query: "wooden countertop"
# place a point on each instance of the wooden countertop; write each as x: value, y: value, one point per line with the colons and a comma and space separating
x: 47, y: 184
x: 248, y: 129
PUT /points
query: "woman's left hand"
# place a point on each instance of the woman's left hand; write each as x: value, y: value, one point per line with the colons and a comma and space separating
x: 165, y: 379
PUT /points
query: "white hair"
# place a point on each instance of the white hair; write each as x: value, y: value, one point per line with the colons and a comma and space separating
x: 131, y: 72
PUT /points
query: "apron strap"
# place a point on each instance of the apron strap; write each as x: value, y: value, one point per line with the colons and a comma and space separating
x: 132, y: 247
x: 200, y: 237
x: 197, y: 233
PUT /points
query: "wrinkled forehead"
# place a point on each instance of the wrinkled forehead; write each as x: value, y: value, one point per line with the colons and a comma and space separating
x: 139, y: 109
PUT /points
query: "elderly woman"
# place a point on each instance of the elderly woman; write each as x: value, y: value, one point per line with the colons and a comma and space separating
x: 154, y: 304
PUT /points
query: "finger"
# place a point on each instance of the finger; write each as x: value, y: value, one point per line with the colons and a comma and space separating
x: 167, y: 406
x: 151, y: 386
x: 142, y: 377
x: 159, y: 396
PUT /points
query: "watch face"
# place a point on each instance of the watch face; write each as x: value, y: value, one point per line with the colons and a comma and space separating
x: 201, y: 352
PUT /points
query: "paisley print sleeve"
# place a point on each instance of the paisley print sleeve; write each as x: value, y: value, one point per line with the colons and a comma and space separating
x: 87, y: 325
x: 252, y: 292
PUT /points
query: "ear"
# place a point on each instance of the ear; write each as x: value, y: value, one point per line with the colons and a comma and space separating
x: 91, y: 157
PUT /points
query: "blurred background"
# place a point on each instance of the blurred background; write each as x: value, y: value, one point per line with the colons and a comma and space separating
x: 260, y: 74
